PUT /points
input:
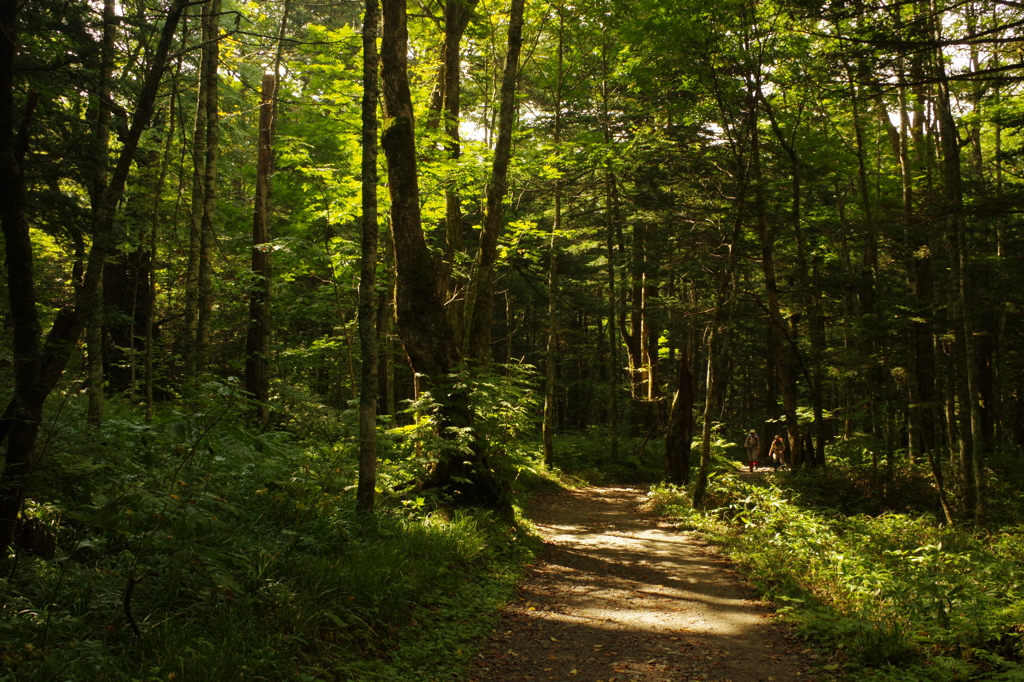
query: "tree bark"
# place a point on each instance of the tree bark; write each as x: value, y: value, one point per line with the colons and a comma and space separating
x: 94, y: 334
x: 422, y: 324
x: 149, y: 324
x: 424, y: 329
x: 952, y: 183
x: 779, y: 345
x: 478, y: 342
x: 211, y: 40
x: 368, y: 378
x: 457, y: 14
x: 679, y: 435
x: 704, y: 469
x: 257, y: 347
x: 190, y: 331
x: 548, y: 426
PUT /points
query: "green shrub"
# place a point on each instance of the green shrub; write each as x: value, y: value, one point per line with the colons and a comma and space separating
x: 193, y: 549
x: 888, y: 590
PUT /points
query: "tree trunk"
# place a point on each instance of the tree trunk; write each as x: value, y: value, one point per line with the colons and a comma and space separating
x: 478, y: 341
x: 94, y: 335
x: 548, y: 426
x: 191, y: 312
x: 701, y: 487
x: 257, y: 346
x: 457, y: 14
x: 211, y: 40
x: 613, y: 344
x: 368, y: 368
x: 867, y: 294
x: 679, y: 435
x: 94, y: 359
x: 149, y: 324
x: 422, y: 324
x: 952, y: 182
x: 779, y: 339
x: 26, y: 406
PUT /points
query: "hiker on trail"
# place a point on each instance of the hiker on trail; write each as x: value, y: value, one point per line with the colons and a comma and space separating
x: 753, y: 446
x: 777, y: 450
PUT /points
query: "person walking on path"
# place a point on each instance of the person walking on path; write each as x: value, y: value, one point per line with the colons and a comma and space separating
x: 776, y: 452
x: 753, y: 446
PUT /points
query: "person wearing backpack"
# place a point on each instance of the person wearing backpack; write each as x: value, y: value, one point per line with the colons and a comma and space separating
x: 753, y: 446
x: 776, y: 452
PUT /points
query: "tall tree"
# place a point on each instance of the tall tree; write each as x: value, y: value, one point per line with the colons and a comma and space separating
x: 368, y: 267
x: 257, y: 348
x: 548, y: 425
x: 207, y: 237
x: 39, y: 367
x: 94, y: 326
x: 481, y: 311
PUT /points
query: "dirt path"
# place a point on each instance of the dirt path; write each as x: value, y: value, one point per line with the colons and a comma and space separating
x: 616, y: 598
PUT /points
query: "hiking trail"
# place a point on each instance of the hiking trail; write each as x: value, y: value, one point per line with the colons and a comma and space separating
x: 617, y: 596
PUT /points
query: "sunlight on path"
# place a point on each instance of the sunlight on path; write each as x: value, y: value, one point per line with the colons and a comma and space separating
x: 616, y: 598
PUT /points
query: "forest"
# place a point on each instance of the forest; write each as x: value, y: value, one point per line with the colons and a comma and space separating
x: 303, y: 301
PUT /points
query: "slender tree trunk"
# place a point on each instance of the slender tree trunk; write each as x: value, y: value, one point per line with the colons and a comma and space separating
x: 258, y: 336
x: 191, y: 313
x: 779, y: 345
x: 679, y: 434
x: 716, y: 342
x: 257, y: 347
x: 632, y: 335
x: 953, y: 200
x: 478, y: 341
x: 94, y: 333
x: 94, y: 359
x: 867, y: 295
x: 365, y: 492
x: 818, y: 346
x: 158, y: 190
x: 613, y: 228
x: 613, y: 344
x: 457, y: 14
x: 548, y: 426
x: 211, y: 39
x: 704, y: 469
x: 790, y: 353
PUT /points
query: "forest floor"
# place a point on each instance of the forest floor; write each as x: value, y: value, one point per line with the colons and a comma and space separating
x: 618, y: 596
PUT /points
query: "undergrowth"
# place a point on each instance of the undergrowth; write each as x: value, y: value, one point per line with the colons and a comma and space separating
x: 193, y: 549
x: 584, y: 458
x: 895, y: 596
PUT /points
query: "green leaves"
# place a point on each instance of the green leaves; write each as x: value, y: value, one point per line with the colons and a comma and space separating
x: 888, y: 590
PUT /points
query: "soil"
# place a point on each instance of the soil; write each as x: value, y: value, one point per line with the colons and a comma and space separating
x: 618, y: 596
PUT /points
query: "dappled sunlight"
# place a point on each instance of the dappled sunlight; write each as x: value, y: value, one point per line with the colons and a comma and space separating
x: 618, y: 598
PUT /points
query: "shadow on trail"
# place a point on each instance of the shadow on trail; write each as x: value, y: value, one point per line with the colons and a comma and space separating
x: 614, y: 597
x: 606, y: 568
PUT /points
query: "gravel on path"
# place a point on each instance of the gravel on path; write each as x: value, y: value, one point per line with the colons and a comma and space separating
x: 615, y: 597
